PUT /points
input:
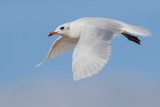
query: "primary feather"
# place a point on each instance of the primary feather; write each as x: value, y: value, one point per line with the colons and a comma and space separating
x: 92, y: 52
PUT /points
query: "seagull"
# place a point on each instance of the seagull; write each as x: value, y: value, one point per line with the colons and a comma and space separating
x: 90, y: 37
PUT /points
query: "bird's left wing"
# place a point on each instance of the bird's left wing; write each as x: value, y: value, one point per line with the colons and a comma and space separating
x: 60, y: 46
x: 92, y: 52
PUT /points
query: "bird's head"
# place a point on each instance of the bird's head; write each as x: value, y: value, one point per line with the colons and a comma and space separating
x: 62, y: 30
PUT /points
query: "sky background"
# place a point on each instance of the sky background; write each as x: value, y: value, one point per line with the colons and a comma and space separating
x: 130, y: 79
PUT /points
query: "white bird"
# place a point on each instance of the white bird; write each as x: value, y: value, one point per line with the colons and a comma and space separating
x: 90, y: 37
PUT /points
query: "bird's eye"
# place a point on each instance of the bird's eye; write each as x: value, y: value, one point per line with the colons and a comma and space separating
x: 62, y: 28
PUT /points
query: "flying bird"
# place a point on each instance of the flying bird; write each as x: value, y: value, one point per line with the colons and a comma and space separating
x: 90, y: 37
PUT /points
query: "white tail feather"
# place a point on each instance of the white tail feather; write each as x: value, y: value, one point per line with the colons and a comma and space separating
x: 137, y: 30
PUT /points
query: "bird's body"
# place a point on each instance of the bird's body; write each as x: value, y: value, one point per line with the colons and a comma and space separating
x: 90, y: 37
x: 103, y: 23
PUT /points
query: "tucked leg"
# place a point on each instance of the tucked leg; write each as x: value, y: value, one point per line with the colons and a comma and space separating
x: 132, y: 38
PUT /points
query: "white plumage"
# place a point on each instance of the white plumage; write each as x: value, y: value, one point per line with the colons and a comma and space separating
x: 90, y: 38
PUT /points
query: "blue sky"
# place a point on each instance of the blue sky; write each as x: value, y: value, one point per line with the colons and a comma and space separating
x: 132, y: 73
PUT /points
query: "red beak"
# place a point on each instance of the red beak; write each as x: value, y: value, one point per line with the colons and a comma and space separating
x: 52, y: 33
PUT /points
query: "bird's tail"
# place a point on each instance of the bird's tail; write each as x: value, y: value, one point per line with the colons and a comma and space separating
x: 137, y: 30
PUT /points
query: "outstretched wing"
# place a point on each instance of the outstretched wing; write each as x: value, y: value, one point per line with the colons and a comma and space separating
x: 60, y: 46
x: 92, y: 52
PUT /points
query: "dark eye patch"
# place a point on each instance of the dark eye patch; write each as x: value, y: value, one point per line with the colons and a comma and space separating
x: 61, y: 28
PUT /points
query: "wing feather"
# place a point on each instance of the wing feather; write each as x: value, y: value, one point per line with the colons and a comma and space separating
x: 60, y: 46
x: 92, y: 52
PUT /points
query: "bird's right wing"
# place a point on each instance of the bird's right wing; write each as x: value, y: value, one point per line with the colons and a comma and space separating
x: 60, y: 46
x: 92, y: 52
